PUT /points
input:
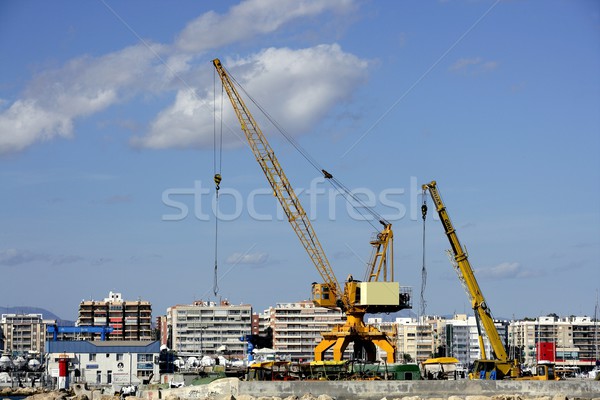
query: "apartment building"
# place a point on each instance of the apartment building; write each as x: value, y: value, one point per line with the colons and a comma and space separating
x: 415, y: 339
x: 575, y: 339
x: 24, y: 334
x: 297, y: 328
x: 460, y: 338
x: 208, y: 328
x: 130, y: 320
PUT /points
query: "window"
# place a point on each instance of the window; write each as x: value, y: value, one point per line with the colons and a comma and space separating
x: 145, y: 358
x: 119, y: 357
x: 92, y: 357
x: 109, y: 376
x: 144, y: 374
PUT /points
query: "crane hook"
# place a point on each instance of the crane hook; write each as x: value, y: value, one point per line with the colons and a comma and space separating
x: 218, y: 180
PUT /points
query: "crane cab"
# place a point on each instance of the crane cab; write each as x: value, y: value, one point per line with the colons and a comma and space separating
x: 323, y: 295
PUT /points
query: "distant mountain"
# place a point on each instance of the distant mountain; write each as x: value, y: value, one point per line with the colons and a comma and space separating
x: 36, y: 310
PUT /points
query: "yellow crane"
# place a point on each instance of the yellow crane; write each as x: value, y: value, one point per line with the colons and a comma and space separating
x: 379, y: 292
x: 501, y: 365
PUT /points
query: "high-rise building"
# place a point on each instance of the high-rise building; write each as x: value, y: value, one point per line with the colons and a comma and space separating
x: 208, y: 328
x: 24, y: 334
x: 461, y: 339
x: 297, y: 328
x: 130, y: 320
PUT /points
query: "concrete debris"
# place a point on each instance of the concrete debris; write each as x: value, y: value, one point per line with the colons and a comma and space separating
x: 325, y: 397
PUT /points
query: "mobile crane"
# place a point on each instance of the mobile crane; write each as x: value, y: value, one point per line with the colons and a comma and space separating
x: 501, y: 365
x: 378, y: 294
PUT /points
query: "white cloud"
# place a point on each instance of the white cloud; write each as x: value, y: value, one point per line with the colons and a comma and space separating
x: 505, y: 270
x: 248, y: 258
x: 464, y: 63
x: 489, y: 65
x: 25, y: 122
x: 297, y: 87
x: 473, y: 65
x: 55, y: 99
x: 63, y: 259
x: 84, y: 86
x: 249, y: 19
x: 12, y: 257
x: 187, y: 122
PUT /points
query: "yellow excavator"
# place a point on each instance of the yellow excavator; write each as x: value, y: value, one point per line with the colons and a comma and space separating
x: 377, y: 293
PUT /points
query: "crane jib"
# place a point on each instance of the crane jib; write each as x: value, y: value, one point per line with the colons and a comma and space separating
x: 277, y: 179
x: 480, y: 307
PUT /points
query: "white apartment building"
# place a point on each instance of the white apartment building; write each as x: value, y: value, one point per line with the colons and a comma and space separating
x: 415, y: 340
x: 297, y: 328
x: 575, y: 339
x: 461, y: 338
x: 208, y: 328
x: 24, y: 333
x: 406, y: 339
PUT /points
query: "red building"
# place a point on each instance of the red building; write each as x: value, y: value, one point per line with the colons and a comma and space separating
x: 546, y: 351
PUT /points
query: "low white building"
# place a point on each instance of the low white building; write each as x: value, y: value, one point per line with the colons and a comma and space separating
x: 117, y: 362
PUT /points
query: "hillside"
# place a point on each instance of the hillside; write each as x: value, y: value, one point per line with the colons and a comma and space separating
x: 36, y: 310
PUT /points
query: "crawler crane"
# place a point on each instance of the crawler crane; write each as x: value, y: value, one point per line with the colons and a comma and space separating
x: 501, y: 365
x: 379, y: 293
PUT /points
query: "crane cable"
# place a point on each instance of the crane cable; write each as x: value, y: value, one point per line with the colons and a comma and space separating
x: 423, y: 303
x: 217, y: 161
x: 341, y: 188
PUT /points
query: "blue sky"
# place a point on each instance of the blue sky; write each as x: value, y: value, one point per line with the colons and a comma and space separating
x: 107, y: 114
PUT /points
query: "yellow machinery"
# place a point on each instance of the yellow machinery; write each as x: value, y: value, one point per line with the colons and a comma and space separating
x: 500, y: 366
x: 544, y: 371
x: 379, y: 293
